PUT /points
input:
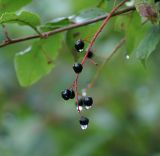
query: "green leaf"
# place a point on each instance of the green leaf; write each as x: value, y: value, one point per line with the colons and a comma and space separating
x: 133, y: 30
x: 23, y: 18
x: 101, y: 4
x: 37, y: 60
x: 56, y: 23
x: 81, y: 17
x: 148, y: 44
x: 12, y: 5
x: 85, y: 15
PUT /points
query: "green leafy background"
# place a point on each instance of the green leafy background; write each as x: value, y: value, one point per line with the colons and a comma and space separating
x: 36, y: 121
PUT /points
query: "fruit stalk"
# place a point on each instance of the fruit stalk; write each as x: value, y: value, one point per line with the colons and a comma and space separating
x: 92, y: 42
x: 101, y: 28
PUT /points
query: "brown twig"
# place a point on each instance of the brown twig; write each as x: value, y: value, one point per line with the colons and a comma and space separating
x: 72, y: 26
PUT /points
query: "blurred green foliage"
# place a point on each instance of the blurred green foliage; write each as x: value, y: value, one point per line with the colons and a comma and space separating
x: 125, y: 118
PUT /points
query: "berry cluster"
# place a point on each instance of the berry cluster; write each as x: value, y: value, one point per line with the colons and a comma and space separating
x: 85, y: 102
x: 81, y: 101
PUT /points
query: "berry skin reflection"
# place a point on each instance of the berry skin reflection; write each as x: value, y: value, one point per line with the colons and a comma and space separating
x: 79, y: 45
x: 83, y: 122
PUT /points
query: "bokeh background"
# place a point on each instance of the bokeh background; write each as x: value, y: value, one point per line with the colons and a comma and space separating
x: 125, y: 117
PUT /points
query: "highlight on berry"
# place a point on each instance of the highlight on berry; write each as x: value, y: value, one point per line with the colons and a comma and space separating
x: 77, y: 67
x: 79, y: 45
x: 84, y: 122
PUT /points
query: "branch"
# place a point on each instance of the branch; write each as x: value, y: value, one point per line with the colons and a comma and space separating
x: 72, y: 26
x: 93, y: 41
x: 101, y: 28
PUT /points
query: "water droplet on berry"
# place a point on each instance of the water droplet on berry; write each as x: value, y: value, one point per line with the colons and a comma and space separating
x: 79, y: 45
x: 84, y: 92
x: 127, y: 57
x: 87, y: 107
x: 87, y: 101
x: 80, y: 108
x: 83, y: 127
x: 80, y: 50
x: 83, y: 122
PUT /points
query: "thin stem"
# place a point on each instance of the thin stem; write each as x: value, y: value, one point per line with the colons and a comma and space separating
x: 7, y: 38
x: 72, y: 26
x: 93, y: 62
x: 116, y: 48
x: 101, y: 28
x: 76, y: 91
x: 48, y: 59
x: 92, y: 42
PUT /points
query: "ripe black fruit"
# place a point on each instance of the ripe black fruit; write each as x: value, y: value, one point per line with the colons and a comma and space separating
x: 80, y: 102
x: 79, y: 45
x: 77, y: 67
x: 66, y: 94
x: 90, y: 54
x: 72, y: 95
x: 88, y: 101
x: 83, y: 121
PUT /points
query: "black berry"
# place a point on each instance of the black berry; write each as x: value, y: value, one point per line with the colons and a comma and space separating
x: 88, y: 101
x: 77, y: 67
x: 80, y: 102
x: 66, y: 94
x: 79, y: 45
x: 83, y: 121
x: 72, y: 95
x: 90, y: 54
